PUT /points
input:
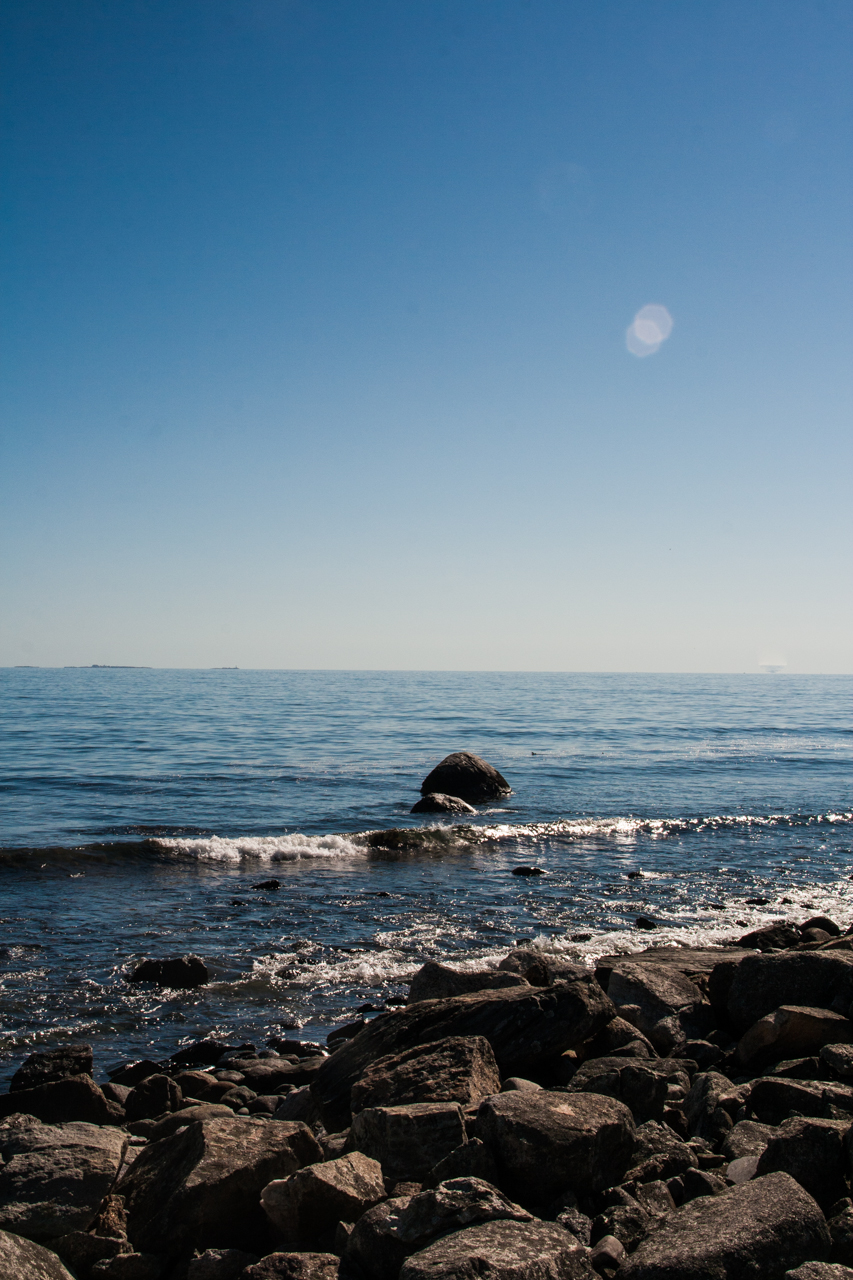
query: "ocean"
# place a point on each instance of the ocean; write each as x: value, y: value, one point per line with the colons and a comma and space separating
x: 142, y: 809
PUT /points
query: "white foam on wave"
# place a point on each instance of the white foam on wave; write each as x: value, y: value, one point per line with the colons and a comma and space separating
x: 289, y: 848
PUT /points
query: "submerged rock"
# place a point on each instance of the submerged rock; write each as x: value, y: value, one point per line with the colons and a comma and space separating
x: 467, y: 776
x: 438, y: 802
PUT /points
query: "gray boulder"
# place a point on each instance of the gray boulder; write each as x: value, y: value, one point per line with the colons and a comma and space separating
x: 619, y: 1038
x: 220, y: 1264
x: 820, y: 1271
x: 153, y: 1096
x: 548, y: 1143
x: 473, y: 1159
x: 201, y: 1187
x: 645, y: 1086
x: 306, y: 1207
x: 52, y: 1065
x: 813, y: 1152
x: 68, y: 1099
x: 458, y: 1069
x: 408, y: 1141
x: 523, y: 1027
x: 502, y: 1251
x: 180, y: 972
x: 467, y: 776
x: 760, y: 1229
x: 661, y: 1002
x: 54, y: 1177
x: 747, y: 1138
x: 128, y: 1266
x: 838, y: 1058
x: 761, y: 983
x: 793, y: 1031
x: 436, y: 981
x: 437, y: 802
x: 23, y: 1260
x: 293, y: 1266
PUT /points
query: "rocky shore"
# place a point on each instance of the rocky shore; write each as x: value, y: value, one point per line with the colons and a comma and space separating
x: 676, y: 1114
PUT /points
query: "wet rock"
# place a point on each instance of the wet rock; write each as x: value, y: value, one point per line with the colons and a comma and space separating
x: 202, y: 1053
x: 812, y: 1151
x: 644, y: 1086
x: 437, y: 802
x: 306, y: 1207
x: 54, y: 1177
x: 523, y: 1027
x: 439, y: 982
x: 200, y: 1188
x: 23, y: 1260
x: 645, y: 922
x: 180, y: 972
x: 502, y: 1251
x: 408, y: 1141
x: 527, y: 871
x: 472, y: 1159
x: 823, y: 923
x: 220, y: 1264
x: 201, y: 1085
x: 128, y: 1266
x: 775, y: 937
x: 293, y: 1266
x: 547, y: 1143
x: 793, y: 1031
x: 468, y: 776
x: 760, y: 1230
x: 541, y: 968
x: 661, y: 1002
x: 154, y: 1096
x: 762, y: 983
x: 55, y: 1064
x: 69, y: 1099
x: 130, y: 1073
x: 266, y: 1075
x: 457, y: 1069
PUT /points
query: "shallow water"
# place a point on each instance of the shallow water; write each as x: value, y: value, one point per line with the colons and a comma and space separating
x: 139, y: 808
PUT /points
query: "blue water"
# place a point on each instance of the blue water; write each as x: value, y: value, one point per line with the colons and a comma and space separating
x: 139, y: 807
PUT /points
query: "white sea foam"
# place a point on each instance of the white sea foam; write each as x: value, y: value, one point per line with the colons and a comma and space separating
x: 289, y: 848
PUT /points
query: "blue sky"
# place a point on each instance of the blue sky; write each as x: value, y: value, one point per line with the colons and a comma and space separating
x: 315, y: 334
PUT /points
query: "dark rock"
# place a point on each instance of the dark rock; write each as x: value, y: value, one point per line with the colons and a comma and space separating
x: 841, y: 1231
x: 607, y: 1256
x: 408, y: 1141
x: 706, y: 1116
x: 130, y: 1074
x: 820, y: 1271
x: 761, y: 983
x: 458, y: 1069
x: 306, y: 1207
x: 128, y: 1266
x: 577, y: 1223
x: 55, y: 1064
x: 655, y: 1199
x: 541, y: 968
x: 699, y: 1182
x: 154, y: 1096
x: 69, y: 1099
x: 467, y: 776
x: 267, y: 886
x: 168, y: 1124
x: 437, y: 802
x: 203, y: 1053
x: 621, y: 1038
x: 548, y: 1143
x: 293, y: 1266
x: 644, y: 1086
x: 793, y: 1031
x: 54, y: 1177
x: 659, y: 1154
x: 742, y: 1169
x: 202, y: 1086
x: 439, y: 982
x: 220, y: 1264
x: 298, y: 1105
x: 774, y: 937
x: 115, y: 1092
x: 661, y: 1002
x: 629, y: 1223
x: 179, y: 972
x: 813, y: 1152
x: 23, y: 1260
x: 472, y: 1159
x: 527, y: 871
x: 80, y: 1250
x: 502, y: 1251
x: 838, y: 1058
x: 759, y: 1230
x: 267, y: 1075
x: 523, y: 1027
x: 347, y: 1032
x: 747, y: 1138
x: 200, y: 1188
x: 772, y: 1099
x: 645, y: 922
x: 705, y: 1054
x: 824, y: 923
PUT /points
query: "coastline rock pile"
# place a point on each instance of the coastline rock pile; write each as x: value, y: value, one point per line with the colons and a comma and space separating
x: 677, y: 1114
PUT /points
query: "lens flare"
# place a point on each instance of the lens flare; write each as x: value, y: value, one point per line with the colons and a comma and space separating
x: 650, y: 327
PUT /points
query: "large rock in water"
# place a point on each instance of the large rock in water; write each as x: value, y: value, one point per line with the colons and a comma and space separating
x: 460, y: 1069
x: 502, y: 1251
x: 434, y: 981
x: 201, y: 1187
x: 54, y: 1177
x: 436, y: 802
x: 22, y: 1260
x: 523, y: 1027
x: 760, y: 1230
x: 181, y: 972
x: 762, y: 983
x: 547, y: 1143
x: 52, y: 1065
x: 468, y: 776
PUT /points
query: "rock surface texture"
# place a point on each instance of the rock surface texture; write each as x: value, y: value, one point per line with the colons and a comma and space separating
x: 458, y: 1069
x: 502, y: 1251
x: 22, y: 1260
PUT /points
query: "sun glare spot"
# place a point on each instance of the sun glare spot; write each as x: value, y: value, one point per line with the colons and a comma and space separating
x: 650, y: 327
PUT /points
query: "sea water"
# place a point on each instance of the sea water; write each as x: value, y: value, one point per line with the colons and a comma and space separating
x: 140, y: 811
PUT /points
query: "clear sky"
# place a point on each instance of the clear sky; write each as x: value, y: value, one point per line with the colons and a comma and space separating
x: 315, y: 321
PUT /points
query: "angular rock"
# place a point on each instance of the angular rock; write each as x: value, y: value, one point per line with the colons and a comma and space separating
x: 438, y: 982
x: 747, y: 1138
x: 774, y: 937
x: 467, y: 776
x: 293, y: 1266
x: 629, y: 1223
x: 458, y: 1069
x: 644, y: 1086
x: 128, y: 1266
x: 179, y: 972
x: 298, y: 1105
x: 772, y: 1098
x: 54, y: 1177
x: 541, y: 968
x: 200, y: 1188
x: 306, y: 1207
x: 80, y: 1250
x: 52, y: 1065
x: 23, y: 1260
x: 762, y: 983
x: 760, y: 1230
x: 706, y: 1117
x: 811, y: 1151
x: 659, y: 1154
x: 472, y: 1160
x: 266, y: 1075
x: 839, y: 1059
x: 201, y: 1085
x: 68, y: 1099
x: 437, y: 802
x: 220, y: 1264
x: 840, y: 1225
x: 152, y: 1097
x: 170, y: 1124
x: 502, y: 1251
x: 548, y: 1143
x: 523, y: 1027
x: 387, y: 1234
x: 619, y: 1038
x: 661, y: 1002
x: 408, y: 1141
x: 820, y: 1271
x: 794, y: 1031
